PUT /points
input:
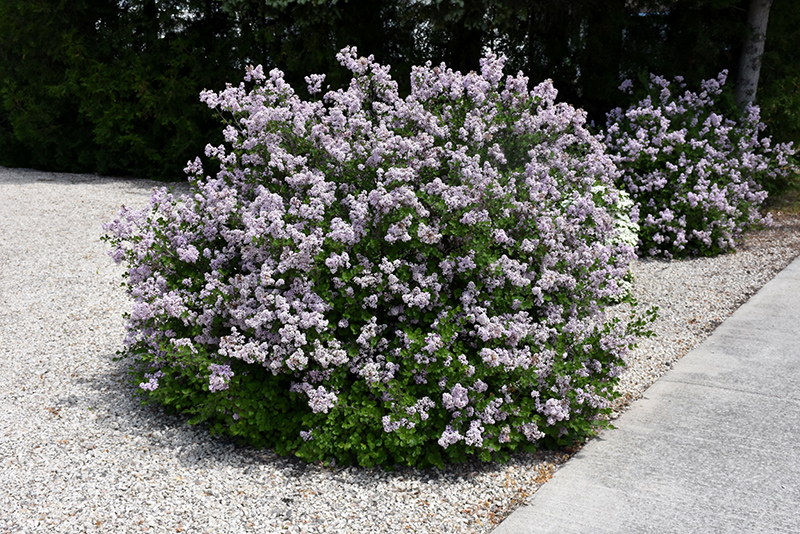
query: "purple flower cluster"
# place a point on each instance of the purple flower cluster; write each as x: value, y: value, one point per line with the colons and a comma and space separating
x: 441, y: 261
x: 220, y: 377
x: 694, y: 175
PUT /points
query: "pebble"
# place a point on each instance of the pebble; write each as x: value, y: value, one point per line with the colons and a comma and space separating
x: 79, y: 454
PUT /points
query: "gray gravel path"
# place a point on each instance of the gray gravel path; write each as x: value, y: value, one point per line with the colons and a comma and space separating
x: 78, y: 454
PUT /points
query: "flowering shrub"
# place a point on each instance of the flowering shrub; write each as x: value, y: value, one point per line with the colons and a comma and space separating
x: 695, y: 176
x: 383, y: 280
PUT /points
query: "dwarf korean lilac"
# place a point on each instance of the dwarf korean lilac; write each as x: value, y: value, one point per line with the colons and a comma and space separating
x: 696, y: 177
x: 412, y: 280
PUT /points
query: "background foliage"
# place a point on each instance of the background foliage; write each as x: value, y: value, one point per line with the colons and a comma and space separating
x: 112, y: 86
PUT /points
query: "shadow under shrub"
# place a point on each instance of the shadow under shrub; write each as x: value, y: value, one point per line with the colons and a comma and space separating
x: 386, y: 281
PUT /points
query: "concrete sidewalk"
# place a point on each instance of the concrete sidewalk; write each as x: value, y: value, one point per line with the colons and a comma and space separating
x: 713, y: 447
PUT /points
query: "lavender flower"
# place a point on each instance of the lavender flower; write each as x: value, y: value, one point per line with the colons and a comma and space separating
x: 220, y: 377
x: 152, y: 381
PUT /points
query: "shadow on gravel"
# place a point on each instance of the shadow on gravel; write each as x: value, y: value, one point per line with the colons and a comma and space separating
x: 114, y: 394
x: 194, y: 448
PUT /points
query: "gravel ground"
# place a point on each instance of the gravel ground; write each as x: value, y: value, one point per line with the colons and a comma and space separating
x: 79, y: 454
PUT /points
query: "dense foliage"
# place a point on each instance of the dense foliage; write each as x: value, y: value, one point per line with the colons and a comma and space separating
x: 779, y: 87
x: 108, y: 87
x: 696, y: 176
x: 386, y: 280
x: 111, y: 86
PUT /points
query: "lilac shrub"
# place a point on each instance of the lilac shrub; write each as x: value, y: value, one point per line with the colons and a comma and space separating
x: 383, y: 280
x: 695, y: 176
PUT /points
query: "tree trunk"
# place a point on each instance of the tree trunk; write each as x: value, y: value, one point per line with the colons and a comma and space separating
x: 750, y: 59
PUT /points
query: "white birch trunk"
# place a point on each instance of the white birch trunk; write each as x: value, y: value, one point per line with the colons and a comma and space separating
x: 750, y: 59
